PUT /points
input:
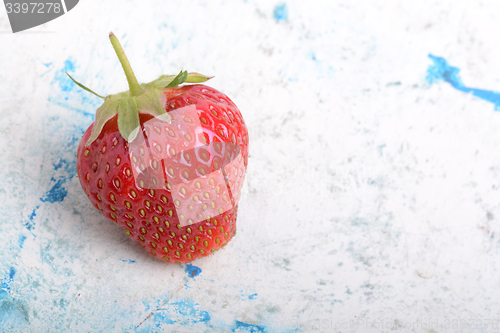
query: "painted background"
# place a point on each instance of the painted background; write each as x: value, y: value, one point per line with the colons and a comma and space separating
x: 372, y: 199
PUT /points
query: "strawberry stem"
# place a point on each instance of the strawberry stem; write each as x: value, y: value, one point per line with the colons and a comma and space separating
x: 135, y: 88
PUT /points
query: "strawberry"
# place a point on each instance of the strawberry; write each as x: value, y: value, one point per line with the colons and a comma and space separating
x: 166, y: 162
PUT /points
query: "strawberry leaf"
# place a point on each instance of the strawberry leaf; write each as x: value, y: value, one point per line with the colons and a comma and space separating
x: 168, y: 81
x: 104, y: 113
x: 83, y: 87
x: 194, y: 77
x: 128, y: 118
x: 151, y: 103
x: 179, y: 79
x: 160, y: 82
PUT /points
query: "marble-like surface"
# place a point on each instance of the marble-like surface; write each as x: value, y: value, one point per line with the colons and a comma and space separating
x: 372, y: 198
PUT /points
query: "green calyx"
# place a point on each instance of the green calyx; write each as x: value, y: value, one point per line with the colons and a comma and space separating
x: 146, y: 98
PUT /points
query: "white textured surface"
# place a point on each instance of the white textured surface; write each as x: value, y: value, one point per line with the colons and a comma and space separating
x: 372, y: 196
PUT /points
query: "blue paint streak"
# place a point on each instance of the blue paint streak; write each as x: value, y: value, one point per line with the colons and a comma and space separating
x: 442, y: 71
x: 192, y: 271
x: 248, y: 327
x: 130, y: 261
x: 64, y: 105
x: 281, y: 12
x: 94, y: 103
x: 57, y: 193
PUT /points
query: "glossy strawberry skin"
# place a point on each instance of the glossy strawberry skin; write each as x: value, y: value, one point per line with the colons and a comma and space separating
x: 148, y: 215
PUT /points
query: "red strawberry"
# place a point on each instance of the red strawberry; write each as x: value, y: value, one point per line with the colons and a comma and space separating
x: 166, y: 163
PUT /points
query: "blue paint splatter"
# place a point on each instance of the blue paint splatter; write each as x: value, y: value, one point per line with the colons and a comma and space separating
x: 189, y: 309
x: 64, y: 170
x: 192, y: 271
x: 33, y: 213
x: 57, y: 193
x: 59, y: 164
x: 130, y: 261
x: 73, y: 96
x: 253, y: 296
x: 281, y: 12
x: 248, y: 327
x: 69, y: 166
x: 67, y: 171
x: 184, y: 311
x: 3, y: 294
x: 13, y: 316
x: 69, y: 65
x: 5, y: 285
x: 441, y: 70
x: 22, y: 238
x: 64, y: 81
x: 162, y: 317
x: 30, y: 223
x: 12, y: 272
